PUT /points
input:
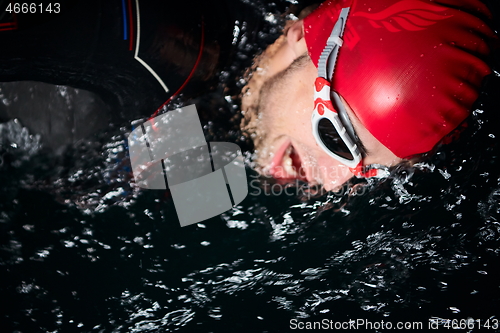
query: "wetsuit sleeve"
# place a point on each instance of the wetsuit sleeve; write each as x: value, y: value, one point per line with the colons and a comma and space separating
x: 133, y: 53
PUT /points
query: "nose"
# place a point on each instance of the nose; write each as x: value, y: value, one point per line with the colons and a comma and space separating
x: 331, y: 173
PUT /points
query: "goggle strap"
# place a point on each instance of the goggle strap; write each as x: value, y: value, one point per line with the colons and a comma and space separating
x: 370, y: 171
x: 328, y: 56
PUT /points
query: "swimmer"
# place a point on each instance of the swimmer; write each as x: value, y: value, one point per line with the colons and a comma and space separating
x: 356, y: 87
x: 136, y: 55
x: 397, y: 75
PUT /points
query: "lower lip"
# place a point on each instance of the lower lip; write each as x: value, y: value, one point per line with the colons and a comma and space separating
x: 275, y: 169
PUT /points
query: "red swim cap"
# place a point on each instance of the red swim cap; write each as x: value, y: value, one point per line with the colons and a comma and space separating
x: 409, y: 69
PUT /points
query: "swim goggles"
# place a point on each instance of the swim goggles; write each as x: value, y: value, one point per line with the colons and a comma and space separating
x: 331, y: 126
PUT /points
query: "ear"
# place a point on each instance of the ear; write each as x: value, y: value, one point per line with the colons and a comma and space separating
x: 295, y: 38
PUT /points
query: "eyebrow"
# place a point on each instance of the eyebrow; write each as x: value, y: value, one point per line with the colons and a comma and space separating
x: 358, y: 142
x: 361, y: 146
x: 362, y: 149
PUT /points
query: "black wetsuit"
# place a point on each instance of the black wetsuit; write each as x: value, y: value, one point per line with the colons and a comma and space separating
x: 93, y: 44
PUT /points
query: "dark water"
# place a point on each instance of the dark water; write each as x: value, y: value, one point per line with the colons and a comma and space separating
x: 83, y: 250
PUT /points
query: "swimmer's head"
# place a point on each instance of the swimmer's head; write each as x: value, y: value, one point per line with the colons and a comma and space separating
x: 408, y: 73
x: 410, y: 70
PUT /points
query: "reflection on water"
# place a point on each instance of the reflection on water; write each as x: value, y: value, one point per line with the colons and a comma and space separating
x: 83, y: 250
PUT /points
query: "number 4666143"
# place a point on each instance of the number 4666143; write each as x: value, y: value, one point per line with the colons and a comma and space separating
x: 33, y: 8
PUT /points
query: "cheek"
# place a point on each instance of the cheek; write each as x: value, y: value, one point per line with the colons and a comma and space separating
x: 335, y: 174
x: 324, y: 169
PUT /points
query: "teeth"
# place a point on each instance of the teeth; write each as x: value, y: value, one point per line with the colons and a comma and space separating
x: 288, y: 164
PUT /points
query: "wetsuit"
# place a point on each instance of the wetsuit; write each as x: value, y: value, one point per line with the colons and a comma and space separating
x: 135, y: 54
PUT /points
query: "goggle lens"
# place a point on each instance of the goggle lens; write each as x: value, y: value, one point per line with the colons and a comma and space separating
x: 332, y: 139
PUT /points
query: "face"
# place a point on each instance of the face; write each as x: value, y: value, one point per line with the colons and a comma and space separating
x: 287, y: 148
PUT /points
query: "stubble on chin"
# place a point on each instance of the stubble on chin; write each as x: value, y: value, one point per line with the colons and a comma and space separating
x: 260, y: 107
x: 256, y: 76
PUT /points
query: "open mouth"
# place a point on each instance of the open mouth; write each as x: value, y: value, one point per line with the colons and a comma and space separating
x: 287, y: 164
